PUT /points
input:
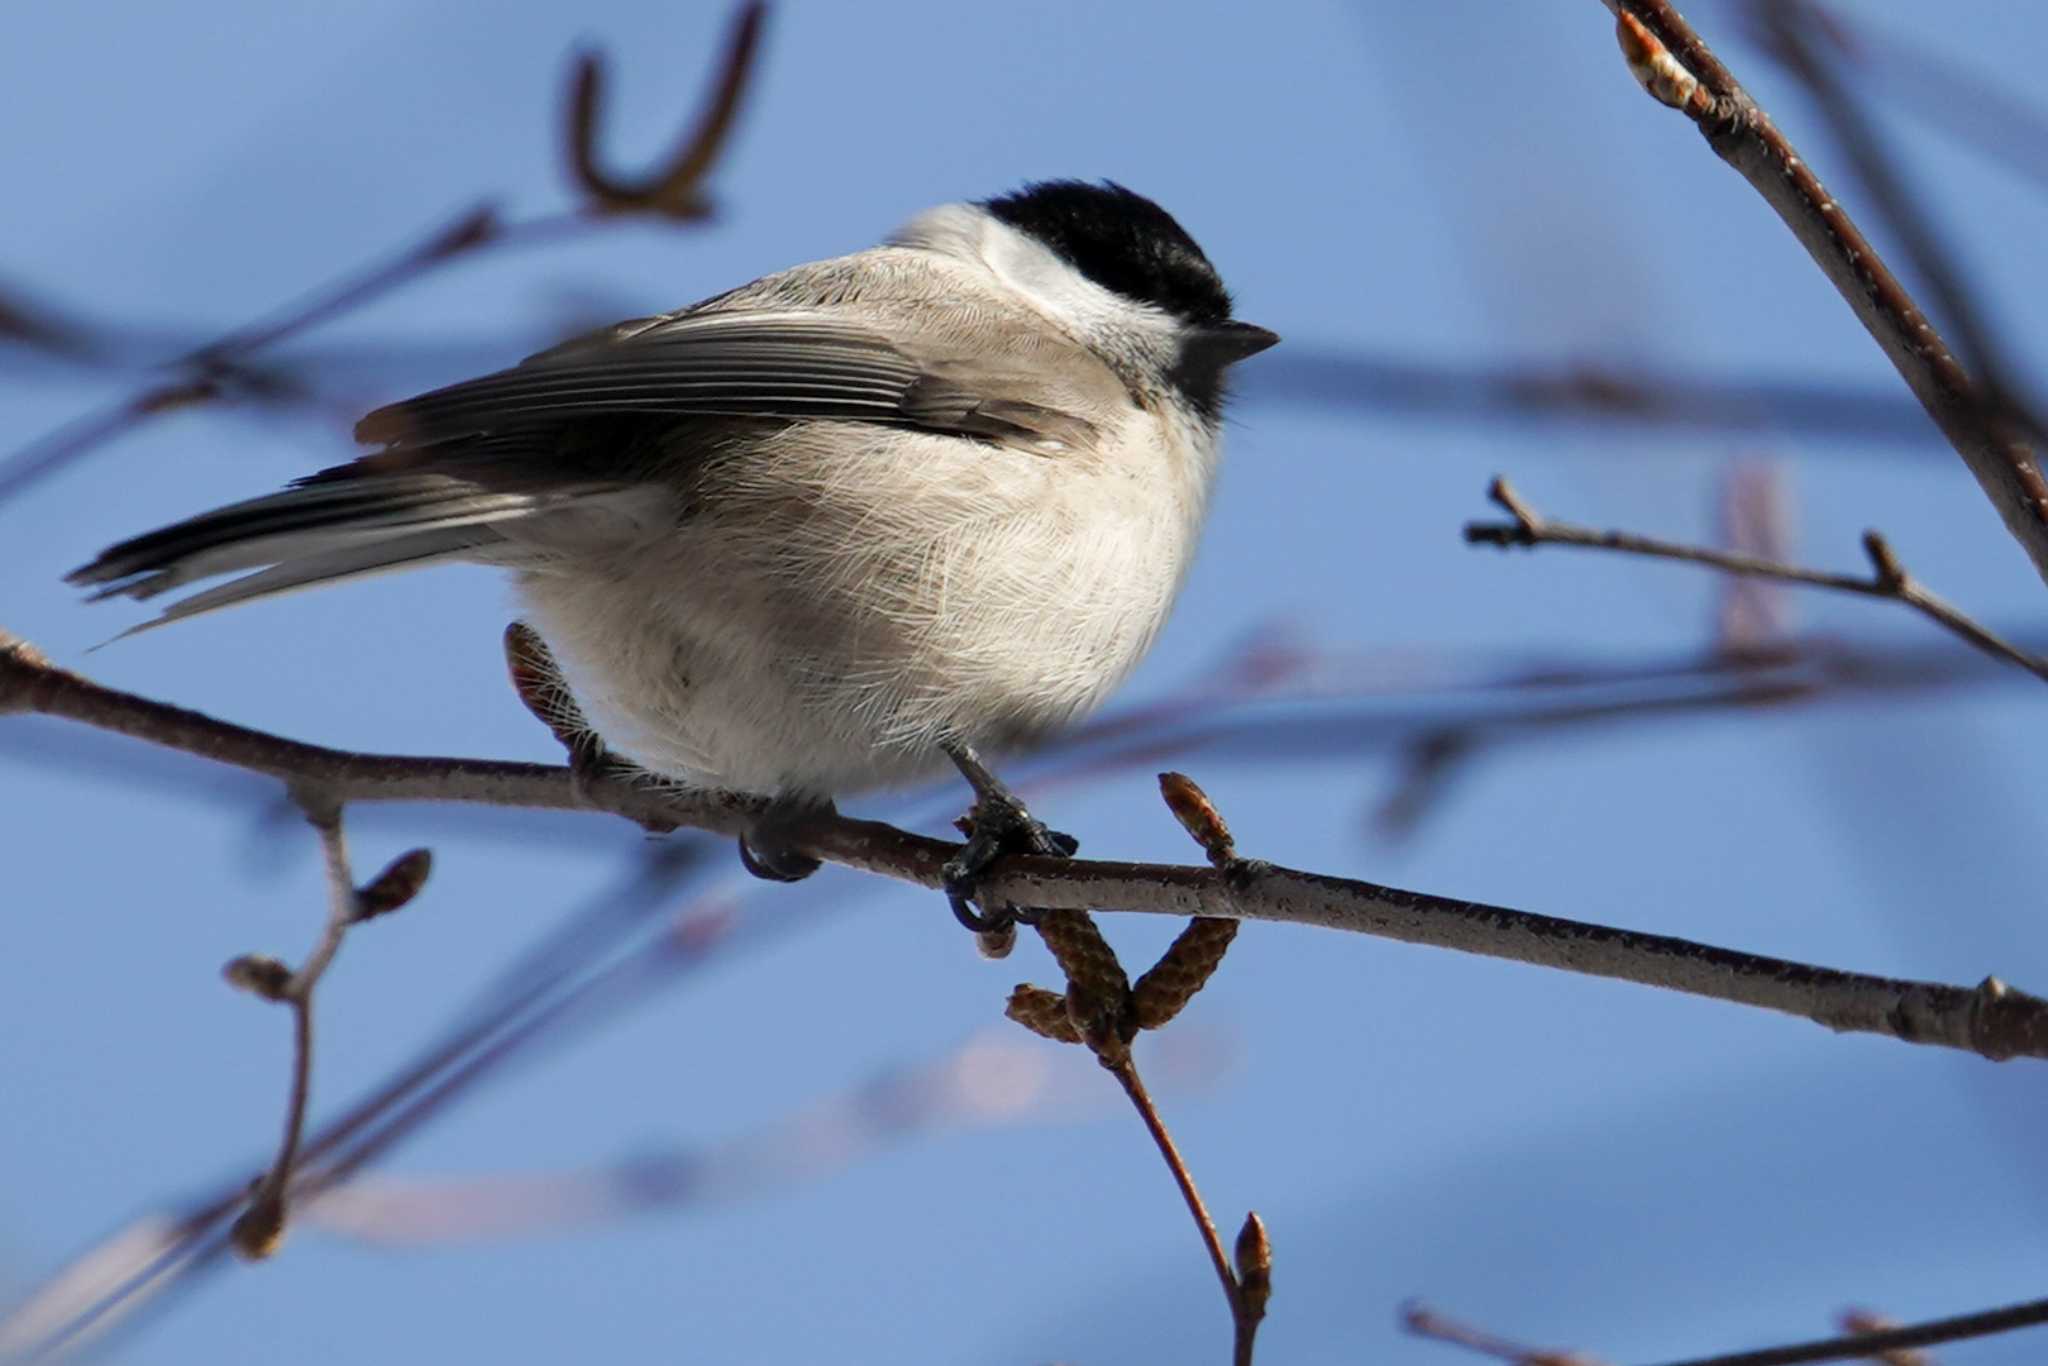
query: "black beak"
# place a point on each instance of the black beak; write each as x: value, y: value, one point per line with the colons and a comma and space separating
x: 1221, y: 344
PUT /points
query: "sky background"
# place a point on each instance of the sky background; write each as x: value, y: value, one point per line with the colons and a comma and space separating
x: 1569, y: 1161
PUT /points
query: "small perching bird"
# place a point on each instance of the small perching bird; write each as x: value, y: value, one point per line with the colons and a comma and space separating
x: 822, y: 532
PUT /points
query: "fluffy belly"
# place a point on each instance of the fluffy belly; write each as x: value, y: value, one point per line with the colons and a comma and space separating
x: 832, y: 657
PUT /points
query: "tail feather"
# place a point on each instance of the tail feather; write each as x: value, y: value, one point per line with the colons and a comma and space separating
x: 301, y: 521
x: 310, y: 571
x: 323, y: 531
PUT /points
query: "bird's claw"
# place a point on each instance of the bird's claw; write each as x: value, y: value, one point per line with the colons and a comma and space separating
x: 1001, y: 825
x: 769, y: 850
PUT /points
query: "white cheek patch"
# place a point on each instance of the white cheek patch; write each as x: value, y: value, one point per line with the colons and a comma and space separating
x: 1035, y: 273
x: 1058, y: 290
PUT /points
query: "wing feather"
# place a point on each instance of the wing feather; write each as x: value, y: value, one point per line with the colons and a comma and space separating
x: 767, y: 364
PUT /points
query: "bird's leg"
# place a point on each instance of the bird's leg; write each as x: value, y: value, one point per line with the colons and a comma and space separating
x: 1000, y: 825
x: 769, y: 848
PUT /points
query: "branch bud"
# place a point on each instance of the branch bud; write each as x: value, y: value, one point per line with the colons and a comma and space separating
x: 259, y: 975
x: 398, y: 884
x: 1254, y: 1267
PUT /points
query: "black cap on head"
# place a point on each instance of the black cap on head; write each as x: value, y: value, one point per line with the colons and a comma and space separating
x: 1120, y: 240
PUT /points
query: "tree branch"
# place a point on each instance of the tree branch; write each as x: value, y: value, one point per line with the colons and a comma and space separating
x: 1990, y: 1019
x: 1888, y: 578
x: 1678, y: 69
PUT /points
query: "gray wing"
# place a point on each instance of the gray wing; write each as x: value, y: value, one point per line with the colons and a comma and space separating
x: 778, y: 364
x: 555, y: 436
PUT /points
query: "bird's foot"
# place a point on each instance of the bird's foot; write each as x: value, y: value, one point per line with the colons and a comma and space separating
x: 999, y: 824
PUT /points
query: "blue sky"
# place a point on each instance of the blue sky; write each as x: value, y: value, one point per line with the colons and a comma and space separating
x: 1566, y: 1160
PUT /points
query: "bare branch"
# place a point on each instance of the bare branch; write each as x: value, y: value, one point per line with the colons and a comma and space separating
x: 1678, y: 69
x: 1888, y: 578
x: 1990, y: 1019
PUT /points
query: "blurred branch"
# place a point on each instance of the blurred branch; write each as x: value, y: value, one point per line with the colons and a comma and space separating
x: 1585, y: 391
x: 1881, y: 1345
x: 1888, y: 578
x: 224, y: 369
x: 561, y: 983
x: 1991, y: 1019
x: 674, y: 189
x: 1794, y: 33
x: 1343, y: 379
x: 43, y: 329
x: 1678, y: 69
x: 1349, y: 704
x: 1424, y: 1322
x: 1964, y: 102
x: 1860, y: 1322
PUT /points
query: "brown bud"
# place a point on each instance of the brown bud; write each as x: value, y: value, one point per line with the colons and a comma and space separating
x: 1198, y: 816
x: 259, y: 975
x: 1254, y: 1266
x: 398, y: 884
x: 1656, y: 69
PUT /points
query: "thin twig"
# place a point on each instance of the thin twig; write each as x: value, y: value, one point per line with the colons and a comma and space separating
x: 1990, y: 1019
x: 1678, y: 69
x: 1126, y: 1073
x: 260, y: 1229
x: 1888, y: 578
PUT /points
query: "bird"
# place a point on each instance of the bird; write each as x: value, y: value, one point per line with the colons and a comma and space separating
x: 821, y: 534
